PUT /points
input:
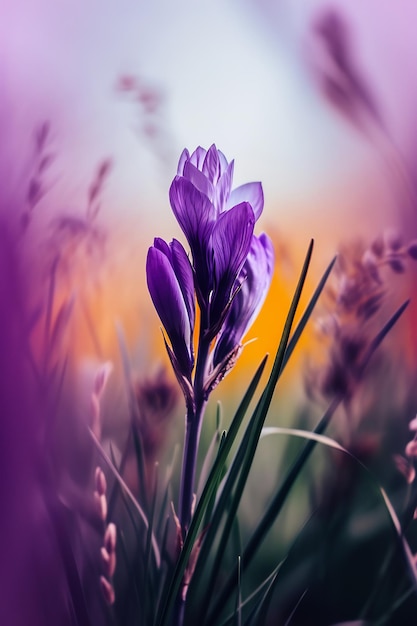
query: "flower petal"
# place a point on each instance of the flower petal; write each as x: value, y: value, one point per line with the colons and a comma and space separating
x: 211, y: 165
x: 185, y: 155
x: 193, y: 210
x: 231, y: 240
x: 184, y: 272
x: 223, y: 187
x: 254, y: 280
x: 223, y: 162
x: 197, y: 178
x: 250, y: 192
x: 198, y: 156
x: 168, y: 300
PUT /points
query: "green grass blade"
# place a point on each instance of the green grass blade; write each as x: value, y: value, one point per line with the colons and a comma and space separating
x: 332, y: 443
x: 238, y: 609
x: 167, y: 495
x: 211, y: 503
x: 209, y: 488
x: 149, y: 591
x: 243, y: 461
x: 291, y: 615
x: 377, y: 340
x: 307, y: 313
x: 211, y: 453
x: 261, y: 611
x: 282, y: 493
x: 261, y: 589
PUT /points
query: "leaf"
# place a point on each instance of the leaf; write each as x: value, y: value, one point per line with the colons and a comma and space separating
x: 242, y: 462
x: 331, y: 443
x: 173, y: 585
x: 262, y: 588
x: 280, y: 497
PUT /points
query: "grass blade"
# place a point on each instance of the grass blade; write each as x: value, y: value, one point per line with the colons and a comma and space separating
x: 282, y: 493
x: 332, y: 443
x: 243, y: 461
x: 307, y: 313
x: 209, y: 489
x: 238, y: 610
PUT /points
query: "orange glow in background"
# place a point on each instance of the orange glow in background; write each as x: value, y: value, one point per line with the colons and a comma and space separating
x: 245, y: 76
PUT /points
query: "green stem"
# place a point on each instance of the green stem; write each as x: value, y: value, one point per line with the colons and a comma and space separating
x: 194, y: 419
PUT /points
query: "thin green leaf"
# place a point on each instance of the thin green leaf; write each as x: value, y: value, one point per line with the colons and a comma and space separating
x: 209, y: 488
x: 331, y: 443
x: 282, y: 493
x: 257, y: 592
x: 210, y: 454
x: 167, y: 496
x: 377, y: 340
x: 307, y: 313
x: 212, y: 501
x: 243, y: 461
x: 238, y: 609
x: 148, y: 578
x: 291, y: 615
x: 259, y: 615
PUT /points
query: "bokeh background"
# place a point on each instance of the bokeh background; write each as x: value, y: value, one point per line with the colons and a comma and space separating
x: 315, y: 99
x: 136, y: 82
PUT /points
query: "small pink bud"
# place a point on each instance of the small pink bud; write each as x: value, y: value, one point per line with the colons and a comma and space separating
x: 110, y: 538
x: 108, y: 561
x: 100, y: 503
x: 100, y: 480
x: 411, y: 449
x: 102, y: 377
x: 95, y: 423
x: 405, y: 467
x: 107, y: 590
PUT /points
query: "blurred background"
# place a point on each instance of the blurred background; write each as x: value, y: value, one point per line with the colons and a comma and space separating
x: 330, y: 135
x: 98, y: 98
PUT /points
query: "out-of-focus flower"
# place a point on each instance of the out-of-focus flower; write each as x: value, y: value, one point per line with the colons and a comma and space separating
x: 156, y: 397
x: 251, y: 289
x: 218, y: 224
x: 363, y: 280
x: 405, y: 467
x: 340, y: 78
x: 171, y: 285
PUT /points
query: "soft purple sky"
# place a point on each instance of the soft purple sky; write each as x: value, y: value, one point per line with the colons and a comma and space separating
x: 236, y: 73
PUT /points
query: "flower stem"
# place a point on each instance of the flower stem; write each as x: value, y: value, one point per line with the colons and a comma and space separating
x: 194, y: 420
x: 193, y: 425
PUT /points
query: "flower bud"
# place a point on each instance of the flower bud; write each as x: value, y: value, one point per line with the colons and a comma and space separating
x: 107, y: 590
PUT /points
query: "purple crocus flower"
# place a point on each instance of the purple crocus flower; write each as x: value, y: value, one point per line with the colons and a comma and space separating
x: 251, y: 288
x: 230, y: 275
x: 218, y: 224
x: 171, y: 285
